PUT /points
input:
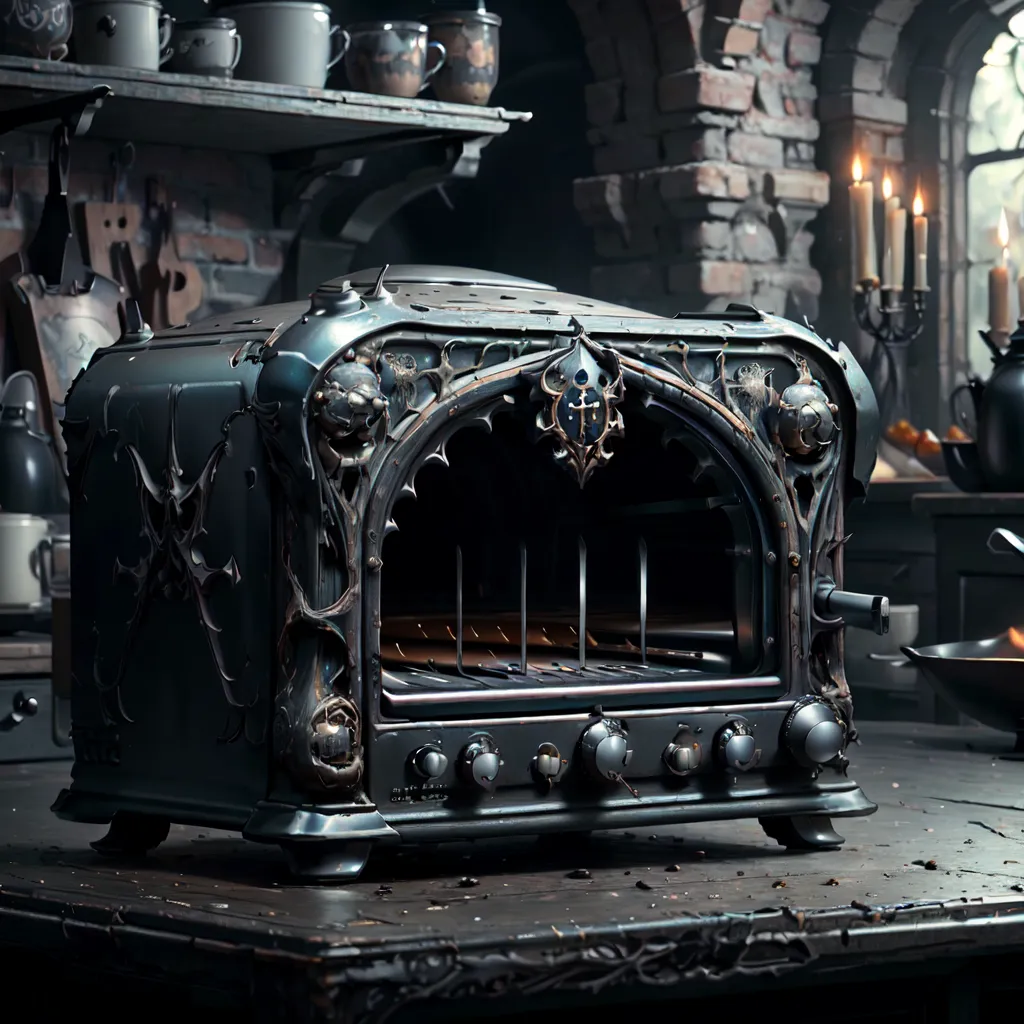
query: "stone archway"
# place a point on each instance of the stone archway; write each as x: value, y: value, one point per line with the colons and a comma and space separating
x: 703, y: 127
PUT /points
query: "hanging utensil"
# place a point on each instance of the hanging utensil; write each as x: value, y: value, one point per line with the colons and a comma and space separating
x: 48, y: 249
x: 171, y: 290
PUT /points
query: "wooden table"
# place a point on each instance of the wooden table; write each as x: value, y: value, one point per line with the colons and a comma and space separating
x: 932, y: 884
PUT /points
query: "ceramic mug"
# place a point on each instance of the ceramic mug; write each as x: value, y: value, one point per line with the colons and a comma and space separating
x: 470, y: 40
x: 389, y: 58
x: 122, y: 33
x: 210, y: 46
x: 287, y: 42
x: 21, y: 573
x: 38, y: 28
x: 53, y: 556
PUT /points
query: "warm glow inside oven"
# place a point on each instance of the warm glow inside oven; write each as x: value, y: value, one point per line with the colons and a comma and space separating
x: 506, y: 580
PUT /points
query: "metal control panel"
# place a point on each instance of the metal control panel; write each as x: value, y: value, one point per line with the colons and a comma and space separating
x: 588, y: 757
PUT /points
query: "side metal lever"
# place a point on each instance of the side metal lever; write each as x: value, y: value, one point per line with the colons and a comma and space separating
x: 862, y: 611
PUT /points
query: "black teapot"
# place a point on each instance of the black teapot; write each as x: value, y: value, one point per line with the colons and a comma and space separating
x: 998, y: 406
x: 31, y: 479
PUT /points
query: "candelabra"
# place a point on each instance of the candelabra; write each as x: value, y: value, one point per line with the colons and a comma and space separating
x: 893, y: 325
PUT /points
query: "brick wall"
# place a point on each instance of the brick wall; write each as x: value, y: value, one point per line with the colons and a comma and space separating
x: 703, y: 122
x: 223, y: 218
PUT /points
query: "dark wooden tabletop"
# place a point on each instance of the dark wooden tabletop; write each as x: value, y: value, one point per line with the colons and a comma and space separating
x: 941, y: 864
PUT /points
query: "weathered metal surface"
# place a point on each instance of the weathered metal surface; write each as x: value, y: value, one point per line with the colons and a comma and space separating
x: 247, y: 117
x: 318, y: 422
x: 936, y: 874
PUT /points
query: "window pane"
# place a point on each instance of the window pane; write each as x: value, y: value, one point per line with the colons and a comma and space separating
x: 990, y: 189
x: 996, y: 111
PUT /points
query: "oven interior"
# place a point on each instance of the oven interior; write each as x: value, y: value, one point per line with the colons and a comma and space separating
x: 657, y: 563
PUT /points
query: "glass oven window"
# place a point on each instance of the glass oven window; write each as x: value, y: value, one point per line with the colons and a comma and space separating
x: 662, y: 543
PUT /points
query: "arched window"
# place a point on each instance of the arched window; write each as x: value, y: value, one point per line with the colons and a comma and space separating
x: 995, y: 181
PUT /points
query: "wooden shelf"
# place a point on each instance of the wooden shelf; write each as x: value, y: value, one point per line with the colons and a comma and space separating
x: 243, y: 117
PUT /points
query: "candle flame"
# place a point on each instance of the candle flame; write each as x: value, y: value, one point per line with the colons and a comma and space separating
x: 918, y: 204
x: 858, y: 170
x: 1004, y: 229
x: 1016, y: 637
x: 887, y: 188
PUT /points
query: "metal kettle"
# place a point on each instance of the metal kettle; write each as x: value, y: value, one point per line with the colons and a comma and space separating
x: 998, y: 406
x: 31, y: 479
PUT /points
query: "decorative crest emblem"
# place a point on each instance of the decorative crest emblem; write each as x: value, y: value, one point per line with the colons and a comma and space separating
x: 582, y: 390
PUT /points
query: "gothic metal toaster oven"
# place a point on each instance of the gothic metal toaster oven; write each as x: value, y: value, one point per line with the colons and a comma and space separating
x: 444, y: 554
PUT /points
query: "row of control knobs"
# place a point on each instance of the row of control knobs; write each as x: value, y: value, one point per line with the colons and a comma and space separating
x: 812, y: 733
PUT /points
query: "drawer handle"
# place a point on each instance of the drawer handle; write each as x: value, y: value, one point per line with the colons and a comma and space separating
x: 22, y: 707
x: 1005, y: 542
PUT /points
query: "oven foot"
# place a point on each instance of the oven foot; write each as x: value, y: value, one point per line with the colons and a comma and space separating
x: 326, y: 861
x: 802, y: 832
x: 132, y: 835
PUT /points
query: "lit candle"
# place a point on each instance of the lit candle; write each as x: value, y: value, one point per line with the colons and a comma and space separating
x: 898, y: 241
x: 999, y: 284
x: 921, y: 245
x: 862, y: 201
x: 891, y: 205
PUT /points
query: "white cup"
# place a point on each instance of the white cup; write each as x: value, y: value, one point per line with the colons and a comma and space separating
x: 21, y: 573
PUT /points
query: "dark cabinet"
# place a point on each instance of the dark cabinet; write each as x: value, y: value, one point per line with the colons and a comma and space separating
x: 980, y: 593
x: 892, y: 552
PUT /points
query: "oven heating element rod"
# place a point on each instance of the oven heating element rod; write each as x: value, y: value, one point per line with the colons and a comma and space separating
x: 522, y: 609
x: 458, y: 609
x: 643, y: 601
x: 583, y: 605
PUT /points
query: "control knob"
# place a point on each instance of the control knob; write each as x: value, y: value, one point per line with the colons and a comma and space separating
x: 429, y: 762
x: 605, y: 749
x: 736, y: 747
x: 683, y: 754
x: 548, y: 764
x: 813, y: 733
x: 479, y: 763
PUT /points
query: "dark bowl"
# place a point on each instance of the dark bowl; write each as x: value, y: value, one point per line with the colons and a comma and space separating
x: 963, y: 465
x: 983, y: 679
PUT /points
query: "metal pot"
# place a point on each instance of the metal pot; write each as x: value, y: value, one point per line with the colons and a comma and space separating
x: 122, y: 33
x: 287, y: 42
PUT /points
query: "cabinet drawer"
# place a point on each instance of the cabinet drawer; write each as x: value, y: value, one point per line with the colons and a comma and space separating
x: 31, y: 738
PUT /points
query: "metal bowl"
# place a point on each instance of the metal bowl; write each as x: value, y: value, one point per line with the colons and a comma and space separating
x: 963, y: 465
x: 983, y: 679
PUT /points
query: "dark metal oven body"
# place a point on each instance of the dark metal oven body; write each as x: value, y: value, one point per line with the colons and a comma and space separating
x: 456, y: 555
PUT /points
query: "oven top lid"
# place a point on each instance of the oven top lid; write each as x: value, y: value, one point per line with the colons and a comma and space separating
x: 416, y: 273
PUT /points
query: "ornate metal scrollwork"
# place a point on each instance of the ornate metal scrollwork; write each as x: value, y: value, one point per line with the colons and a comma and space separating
x: 173, y: 520
x: 352, y: 414
x: 804, y: 421
x: 582, y: 390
